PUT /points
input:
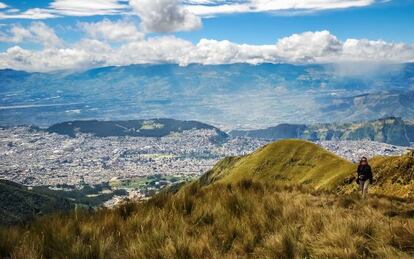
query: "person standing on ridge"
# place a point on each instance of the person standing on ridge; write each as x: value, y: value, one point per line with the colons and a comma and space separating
x: 364, y: 178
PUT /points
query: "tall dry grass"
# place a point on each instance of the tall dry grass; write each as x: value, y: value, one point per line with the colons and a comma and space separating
x: 241, y: 220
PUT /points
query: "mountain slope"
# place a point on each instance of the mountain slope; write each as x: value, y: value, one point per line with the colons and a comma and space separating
x: 300, y: 162
x: 289, y: 161
x: 136, y: 128
x: 18, y: 204
x: 394, y: 176
x: 387, y: 130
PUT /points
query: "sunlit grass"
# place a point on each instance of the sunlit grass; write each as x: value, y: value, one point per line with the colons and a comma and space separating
x: 243, y: 219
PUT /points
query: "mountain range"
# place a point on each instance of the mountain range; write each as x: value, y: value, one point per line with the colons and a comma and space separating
x: 229, y: 96
x: 391, y: 130
x: 387, y: 130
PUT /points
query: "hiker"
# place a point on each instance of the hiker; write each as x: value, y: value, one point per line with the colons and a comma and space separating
x: 364, y: 178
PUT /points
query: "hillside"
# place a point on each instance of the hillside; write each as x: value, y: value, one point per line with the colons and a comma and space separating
x: 18, y: 204
x: 388, y: 130
x: 394, y: 176
x: 303, y: 163
x: 250, y: 206
x: 136, y: 128
x: 286, y: 161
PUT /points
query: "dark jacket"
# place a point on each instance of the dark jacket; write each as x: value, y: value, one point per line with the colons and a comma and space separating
x: 364, y: 173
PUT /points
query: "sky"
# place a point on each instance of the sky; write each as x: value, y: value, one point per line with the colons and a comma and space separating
x: 49, y: 35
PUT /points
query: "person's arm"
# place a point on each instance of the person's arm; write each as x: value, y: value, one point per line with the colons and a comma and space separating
x: 358, y: 171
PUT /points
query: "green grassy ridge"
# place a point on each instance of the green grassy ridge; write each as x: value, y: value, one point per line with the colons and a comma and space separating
x: 290, y: 161
x: 300, y: 162
x: 394, y: 176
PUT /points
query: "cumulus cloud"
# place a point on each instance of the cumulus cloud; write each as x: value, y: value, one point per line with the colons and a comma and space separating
x: 307, y: 47
x: 37, y: 32
x: 3, y: 5
x: 112, y: 31
x: 165, y: 16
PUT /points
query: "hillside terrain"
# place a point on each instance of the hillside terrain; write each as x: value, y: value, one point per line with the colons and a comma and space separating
x: 390, y: 130
x: 303, y: 163
x: 18, y: 204
x: 134, y: 128
x: 289, y: 199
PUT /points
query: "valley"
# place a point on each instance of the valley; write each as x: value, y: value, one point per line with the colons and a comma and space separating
x: 101, y: 163
x: 229, y: 96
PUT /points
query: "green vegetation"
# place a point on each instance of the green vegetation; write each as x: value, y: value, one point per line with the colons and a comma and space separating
x: 387, y: 130
x: 19, y: 204
x: 394, y: 176
x: 279, y: 202
x: 151, y: 184
x: 149, y: 125
x: 286, y: 161
x: 87, y: 195
x: 137, y: 128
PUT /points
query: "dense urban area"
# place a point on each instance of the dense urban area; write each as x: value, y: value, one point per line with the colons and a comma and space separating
x: 38, y: 158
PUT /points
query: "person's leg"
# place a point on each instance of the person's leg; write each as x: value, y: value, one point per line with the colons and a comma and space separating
x: 361, y: 187
x: 365, y: 188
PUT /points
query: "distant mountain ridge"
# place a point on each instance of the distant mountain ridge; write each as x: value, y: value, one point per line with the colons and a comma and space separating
x: 236, y: 94
x: 390, y: 130
x: 135, y: 128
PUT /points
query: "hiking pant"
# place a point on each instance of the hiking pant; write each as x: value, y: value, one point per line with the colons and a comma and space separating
x: 363, y: 187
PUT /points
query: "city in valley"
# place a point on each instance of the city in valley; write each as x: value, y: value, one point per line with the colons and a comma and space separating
x: 139, y: 165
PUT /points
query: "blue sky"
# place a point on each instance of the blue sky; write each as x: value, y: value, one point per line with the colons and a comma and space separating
x: 29, y: 26
x: 390, y: 21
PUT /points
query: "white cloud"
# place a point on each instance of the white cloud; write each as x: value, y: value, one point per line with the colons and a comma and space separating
x: 36, y: 32
x: 87, y: 7
x: 223, y: 52
x: 165, y: 16
x: 59, y: 8
x: 173, y: 15
x: 226, y: 7
x: 33, y: 14
x: 112, y: 31
x: 360, y: 50
x: 308, y: 47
